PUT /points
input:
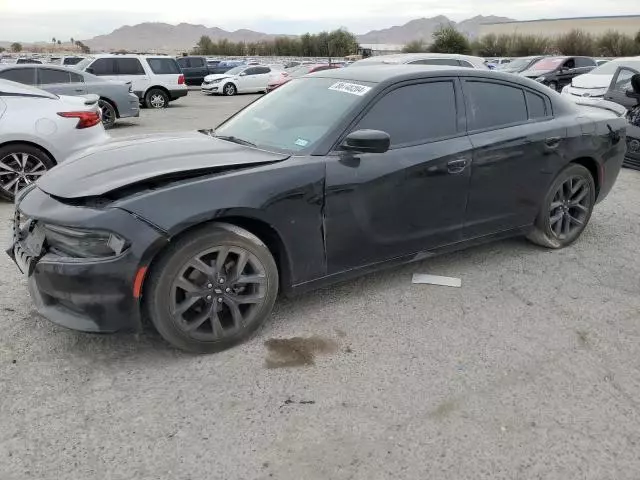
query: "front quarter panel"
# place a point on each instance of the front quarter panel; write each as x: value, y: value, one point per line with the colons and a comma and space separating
x: 288, y: 196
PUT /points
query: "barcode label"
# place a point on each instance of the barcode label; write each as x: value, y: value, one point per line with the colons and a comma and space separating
x: 352, y: 88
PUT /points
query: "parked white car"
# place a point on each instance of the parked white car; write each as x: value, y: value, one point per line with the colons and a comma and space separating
x: 596, y: 83
x: 450, y: 59
x: 155, y: 79
x: 243, y: 79
x: 39, y: 130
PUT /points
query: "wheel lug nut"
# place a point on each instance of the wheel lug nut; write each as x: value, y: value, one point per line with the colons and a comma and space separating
x: 221, y: 280
x: 209, y: 285
x: 209, y: 297
x: 228, y: 290
x: 219, y: 299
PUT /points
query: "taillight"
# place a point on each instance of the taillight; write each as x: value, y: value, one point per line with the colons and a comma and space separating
x: 181, y: 80
x: 85, y: 119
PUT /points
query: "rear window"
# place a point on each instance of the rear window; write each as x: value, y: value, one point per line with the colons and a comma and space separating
x: 163, y: 66
x: 437, y: 61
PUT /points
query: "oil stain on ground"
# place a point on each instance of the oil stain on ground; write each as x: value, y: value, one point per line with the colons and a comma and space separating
x: 296, y: 351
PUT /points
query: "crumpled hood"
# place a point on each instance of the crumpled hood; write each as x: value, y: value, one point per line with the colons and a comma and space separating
x: 591, y: 81
x: 123, y: 162
x: 216, y: 76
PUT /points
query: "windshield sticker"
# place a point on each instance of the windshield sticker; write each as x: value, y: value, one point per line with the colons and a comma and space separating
x: 301, y: 142
x: 351, y: 88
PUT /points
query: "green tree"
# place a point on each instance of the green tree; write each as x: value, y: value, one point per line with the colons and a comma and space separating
x: 449, y: 40
x: 53, y: 40
x: 416, y: 46
x: 16, y: 47
x: 526, y: 45
x: 615, y: 44
x: 2, y: 49
x: 204, y: 46
x: 492, y: 45
x: 576, y: 42
x: 72, y: 42
x: 59, y: 42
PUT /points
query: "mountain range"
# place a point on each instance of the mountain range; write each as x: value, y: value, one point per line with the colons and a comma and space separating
x: 164, y: 37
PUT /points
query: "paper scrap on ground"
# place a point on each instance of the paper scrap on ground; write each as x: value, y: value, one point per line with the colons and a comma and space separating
x: 436, y: 280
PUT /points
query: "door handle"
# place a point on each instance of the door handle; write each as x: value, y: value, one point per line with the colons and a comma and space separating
x: 457, y: 166
x: 553, y: 142
x: 79, y: 90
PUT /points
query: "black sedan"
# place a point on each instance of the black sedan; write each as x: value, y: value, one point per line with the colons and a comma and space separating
x: 331, y: 176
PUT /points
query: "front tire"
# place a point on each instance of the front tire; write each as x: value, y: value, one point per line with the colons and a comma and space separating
x: 20, y: 165
x: 156, y: 98
x: 229, y: 89
x: 566, y: 209
x: 211, y: 289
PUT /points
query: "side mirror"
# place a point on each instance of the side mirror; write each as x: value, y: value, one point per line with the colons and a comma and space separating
x: 367, y: 141
x: 242, y: 74
x: 89, y: 70
x: 634, y: 92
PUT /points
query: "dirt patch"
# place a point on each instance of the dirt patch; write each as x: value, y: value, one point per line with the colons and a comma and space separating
x: 297, y: 351
x: 444, y: 409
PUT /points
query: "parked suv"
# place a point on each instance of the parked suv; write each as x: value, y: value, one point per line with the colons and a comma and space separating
x: 156, y: 80
x: 557, y: 72
x: 194, y: 69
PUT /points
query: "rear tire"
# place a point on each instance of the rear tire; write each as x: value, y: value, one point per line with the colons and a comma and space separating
x: 199, y: 298
x: 20, y: 165
x: 229, y: 89
x: 156, y: 98
x: 108, y: 113
x: 566, y: 209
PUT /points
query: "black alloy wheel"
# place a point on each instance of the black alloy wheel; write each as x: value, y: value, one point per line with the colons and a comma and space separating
x: 212, y: 289
x: 108, y: 114
x: 21, y: 165
x: 567, y: 208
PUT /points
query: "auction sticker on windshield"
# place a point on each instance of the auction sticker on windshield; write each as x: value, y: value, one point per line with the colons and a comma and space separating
x: 352, y: 88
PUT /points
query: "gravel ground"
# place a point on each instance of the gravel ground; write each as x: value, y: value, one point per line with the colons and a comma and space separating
x: 530, y: 370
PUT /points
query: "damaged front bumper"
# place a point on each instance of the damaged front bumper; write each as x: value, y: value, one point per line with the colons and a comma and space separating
x: 87, y: 294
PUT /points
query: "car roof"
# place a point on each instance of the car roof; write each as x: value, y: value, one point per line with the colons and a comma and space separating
x: 51, y: 66
x: 8, y: 87
x: 410, y: 57
x: 400, y: 72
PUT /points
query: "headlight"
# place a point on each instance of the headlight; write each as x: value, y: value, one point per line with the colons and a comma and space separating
x: 540, y: 79
x: 217, y: 80
x: 76, y: 243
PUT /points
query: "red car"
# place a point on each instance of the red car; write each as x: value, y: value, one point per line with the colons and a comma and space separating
x: 299, y: 72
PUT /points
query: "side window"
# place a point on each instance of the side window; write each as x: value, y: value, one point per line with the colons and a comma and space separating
x: 494, y: 105
x: 252, y: 71
x: 164, y: 66
x: 464, y: 63
x: 76, y: 78
x: 622, y: 82
x: 129, y: 66
x: 571, y: 63
x: 47, y: 76
x: 26, y: 76
x: 407, y: 113
x: 582, y: 62
x: 536, y: 106
x: 262, y: 70
x: 103, y: 66
x: 197, y: 62
x: 183, y: 62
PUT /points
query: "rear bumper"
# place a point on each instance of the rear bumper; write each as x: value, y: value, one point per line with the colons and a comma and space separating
x: 178, y: 93
x: 131, y: 109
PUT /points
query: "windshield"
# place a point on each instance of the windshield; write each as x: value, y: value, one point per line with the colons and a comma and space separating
x: 300, y: 71
x: 82, y: 64
x: 516, y: 65
x: 295, y: 116
x: 610, y: 68
x: 547, y: 64
x: 236, y: 70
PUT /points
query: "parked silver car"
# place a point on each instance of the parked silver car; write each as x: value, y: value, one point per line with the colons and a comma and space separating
x: 116, y: 98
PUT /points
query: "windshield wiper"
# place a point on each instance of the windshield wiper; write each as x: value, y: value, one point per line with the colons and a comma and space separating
x: 239, y: 141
